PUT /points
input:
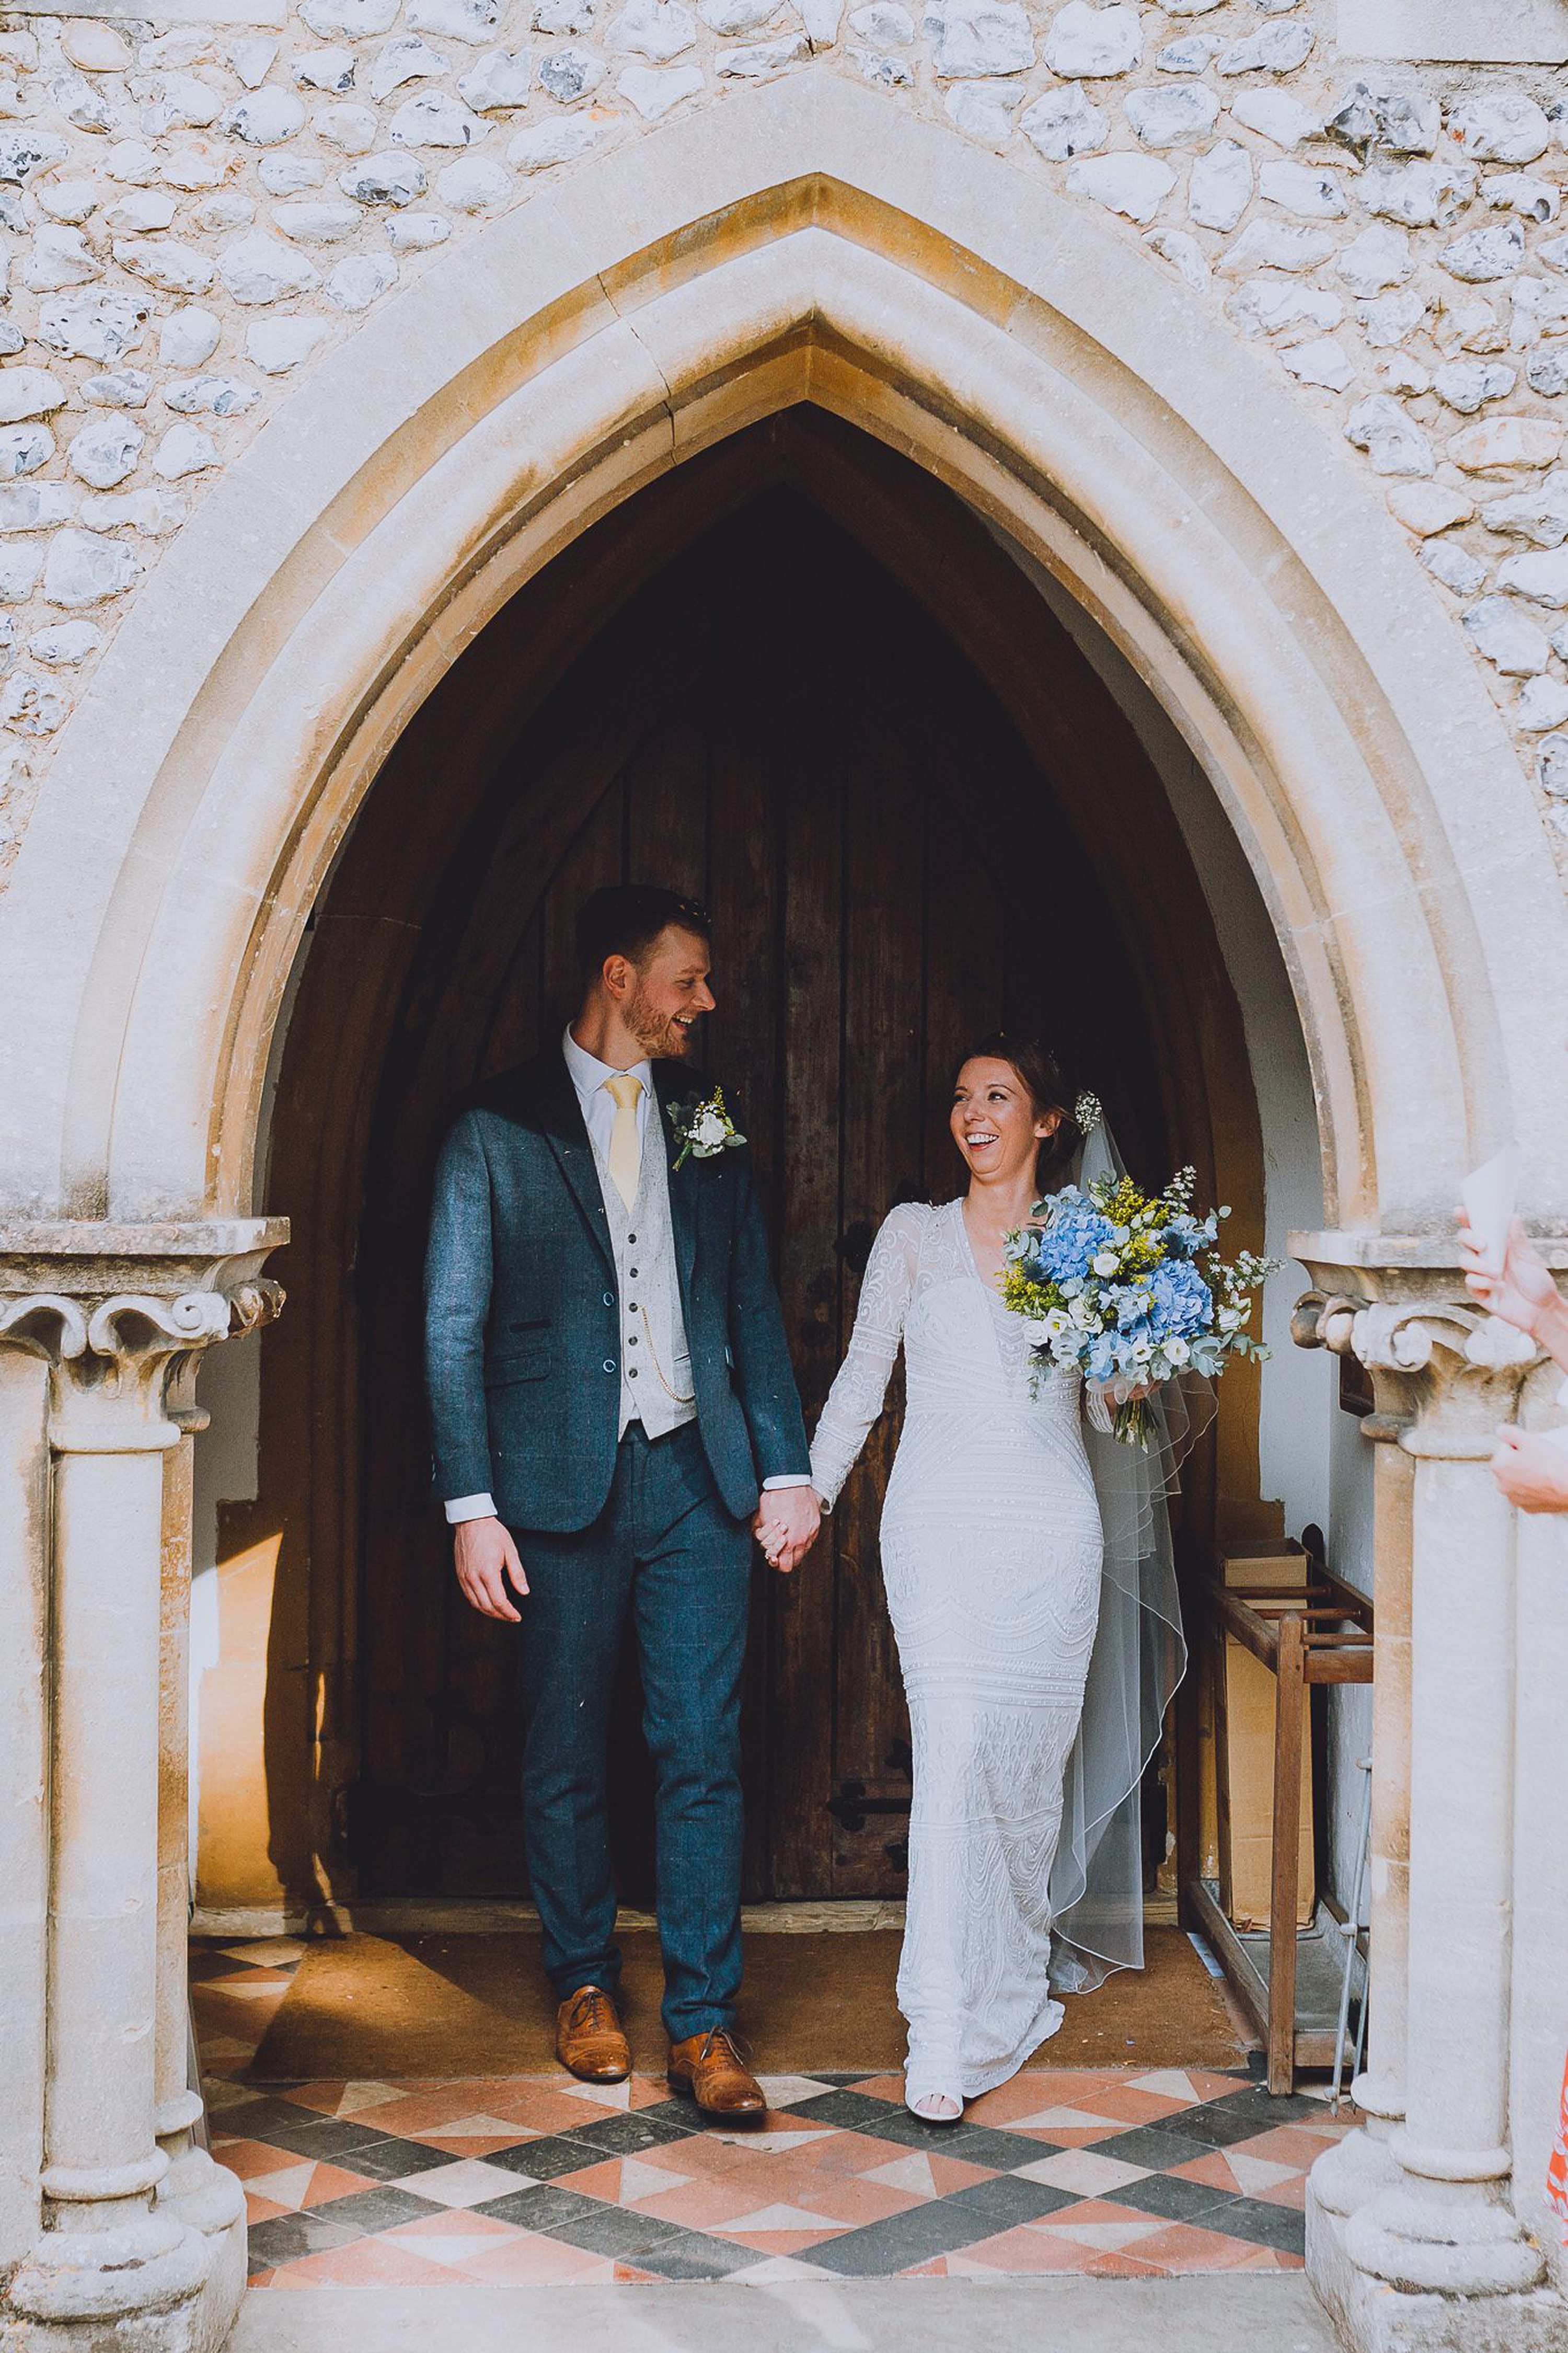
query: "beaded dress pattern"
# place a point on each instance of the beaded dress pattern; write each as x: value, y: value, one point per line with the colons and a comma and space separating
x: 991, y: 1554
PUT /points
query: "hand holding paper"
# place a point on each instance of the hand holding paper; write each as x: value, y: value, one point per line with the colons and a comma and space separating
x: 1507, y: 1273
x: 1503, y: 1269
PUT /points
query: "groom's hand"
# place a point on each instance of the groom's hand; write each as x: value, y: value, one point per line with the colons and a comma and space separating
x: 487, y: 1558
x: 786, y: 1525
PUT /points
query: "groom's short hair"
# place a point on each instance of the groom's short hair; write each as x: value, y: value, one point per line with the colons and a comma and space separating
x: 626, y: 918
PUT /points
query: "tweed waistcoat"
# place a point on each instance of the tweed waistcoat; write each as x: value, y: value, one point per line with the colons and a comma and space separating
x: 655, y: 1358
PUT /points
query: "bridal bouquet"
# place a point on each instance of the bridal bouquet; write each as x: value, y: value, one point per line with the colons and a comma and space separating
x: 1129, y: 1289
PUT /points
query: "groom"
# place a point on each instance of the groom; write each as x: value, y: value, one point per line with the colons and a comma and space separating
x: 610, y: 1390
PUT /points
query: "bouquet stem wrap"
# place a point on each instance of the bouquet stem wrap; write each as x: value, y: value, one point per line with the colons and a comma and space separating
x: 1128, y: 1417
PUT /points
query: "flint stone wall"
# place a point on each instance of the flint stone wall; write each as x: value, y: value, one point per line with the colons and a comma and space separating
x: 192, y: 212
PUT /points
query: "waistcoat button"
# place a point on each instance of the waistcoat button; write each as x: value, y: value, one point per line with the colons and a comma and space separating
x: 632, y: 1241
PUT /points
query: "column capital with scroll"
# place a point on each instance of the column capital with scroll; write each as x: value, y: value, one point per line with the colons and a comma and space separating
x: 121, y: 1313
x: 1444, y: 1372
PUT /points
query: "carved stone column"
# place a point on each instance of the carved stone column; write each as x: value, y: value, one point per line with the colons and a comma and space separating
x: 1412, y: 2237
x: 116, y: 2262
x: 1363, y: 2162
x: 197, y: 2190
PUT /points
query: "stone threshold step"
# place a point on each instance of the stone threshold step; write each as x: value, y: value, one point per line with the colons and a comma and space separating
x: 1276, y: 2314
x: 410, y: 1915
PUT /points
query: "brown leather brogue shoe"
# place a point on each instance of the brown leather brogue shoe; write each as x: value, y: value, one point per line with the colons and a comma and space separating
x: 588, y: 2038
x: 709, y: 2070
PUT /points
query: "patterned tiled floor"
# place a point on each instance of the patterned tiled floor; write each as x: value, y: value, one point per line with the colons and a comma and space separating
x: 536, y: 2179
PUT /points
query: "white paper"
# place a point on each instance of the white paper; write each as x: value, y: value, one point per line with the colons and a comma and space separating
x: 1489, y: 1196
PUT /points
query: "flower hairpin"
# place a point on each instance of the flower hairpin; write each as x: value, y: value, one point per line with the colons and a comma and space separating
x: 1087, y: 1113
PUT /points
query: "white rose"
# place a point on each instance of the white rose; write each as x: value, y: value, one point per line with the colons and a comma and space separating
x: 1230, y: 1319
x: 1141, y: 1352
x: 1038, y: 1334
x: 1177, y: 1351
x: 1107, y: 1262
x: 709, y: 1129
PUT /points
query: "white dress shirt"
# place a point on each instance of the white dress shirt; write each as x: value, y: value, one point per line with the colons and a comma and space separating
x: 589, y: 1076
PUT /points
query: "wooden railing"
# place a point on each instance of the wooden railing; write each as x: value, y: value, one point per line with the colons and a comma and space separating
x: 1319, y: 1635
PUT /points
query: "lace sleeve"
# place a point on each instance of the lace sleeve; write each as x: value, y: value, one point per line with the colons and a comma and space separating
x: 856, y: 1397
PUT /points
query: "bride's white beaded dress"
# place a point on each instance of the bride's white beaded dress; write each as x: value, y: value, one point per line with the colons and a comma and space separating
x: 991, y: 1554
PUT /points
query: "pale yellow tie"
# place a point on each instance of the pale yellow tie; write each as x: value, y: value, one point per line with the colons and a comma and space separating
x: 625, y: 1145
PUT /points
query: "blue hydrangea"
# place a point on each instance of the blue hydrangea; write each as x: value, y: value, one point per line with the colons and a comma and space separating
x: 1183, y: 1303
x: 1074, y: 1232
x: 1133, y: 1302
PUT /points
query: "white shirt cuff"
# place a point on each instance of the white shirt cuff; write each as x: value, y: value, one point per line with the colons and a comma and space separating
x: 795, y: 1479
x: 470, y: 1507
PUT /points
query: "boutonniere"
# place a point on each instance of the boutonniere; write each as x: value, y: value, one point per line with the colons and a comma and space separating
x: 703, y: 1130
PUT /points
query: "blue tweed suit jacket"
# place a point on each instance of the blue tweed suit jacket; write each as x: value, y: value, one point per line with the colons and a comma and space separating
x: 523, y: 1325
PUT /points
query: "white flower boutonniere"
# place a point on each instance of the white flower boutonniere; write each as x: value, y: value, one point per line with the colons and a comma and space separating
x: 703, y: 1129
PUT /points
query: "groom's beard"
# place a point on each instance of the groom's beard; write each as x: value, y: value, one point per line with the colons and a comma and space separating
x: 658, y: 1034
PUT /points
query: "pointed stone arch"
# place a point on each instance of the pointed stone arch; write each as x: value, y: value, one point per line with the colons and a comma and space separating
x: 799, y: 243
x: 804, y: 242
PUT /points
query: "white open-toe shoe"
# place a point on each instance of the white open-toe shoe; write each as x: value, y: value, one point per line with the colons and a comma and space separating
x: 933, y: 2103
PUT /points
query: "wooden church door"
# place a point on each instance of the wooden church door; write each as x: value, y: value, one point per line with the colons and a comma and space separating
x: 777, y: 729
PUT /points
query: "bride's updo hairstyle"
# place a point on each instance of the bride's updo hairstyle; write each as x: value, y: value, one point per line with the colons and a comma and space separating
x: 1037, y: 1070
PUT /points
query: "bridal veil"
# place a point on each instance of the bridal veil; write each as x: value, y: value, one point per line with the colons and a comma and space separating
x: 1139, y: 1657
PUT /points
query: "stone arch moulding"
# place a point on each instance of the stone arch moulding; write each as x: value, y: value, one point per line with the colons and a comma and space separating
x: 804, y: 240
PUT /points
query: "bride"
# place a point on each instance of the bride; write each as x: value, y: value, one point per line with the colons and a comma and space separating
x: 1029, y: 1582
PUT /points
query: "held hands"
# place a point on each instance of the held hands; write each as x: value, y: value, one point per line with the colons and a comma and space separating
x: 486, y: 1559
x: 785, y: 1525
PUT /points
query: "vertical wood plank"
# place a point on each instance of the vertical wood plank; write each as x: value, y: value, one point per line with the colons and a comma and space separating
x: 667, y: 810
x: 804, y: 1647
x: 517, y: 1029
x: 744, y: 754
x: 1290, y: 1710
x: 966, y: 930
x: 744, y: 879
x: 884, y: 997
x: 597, y: 857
